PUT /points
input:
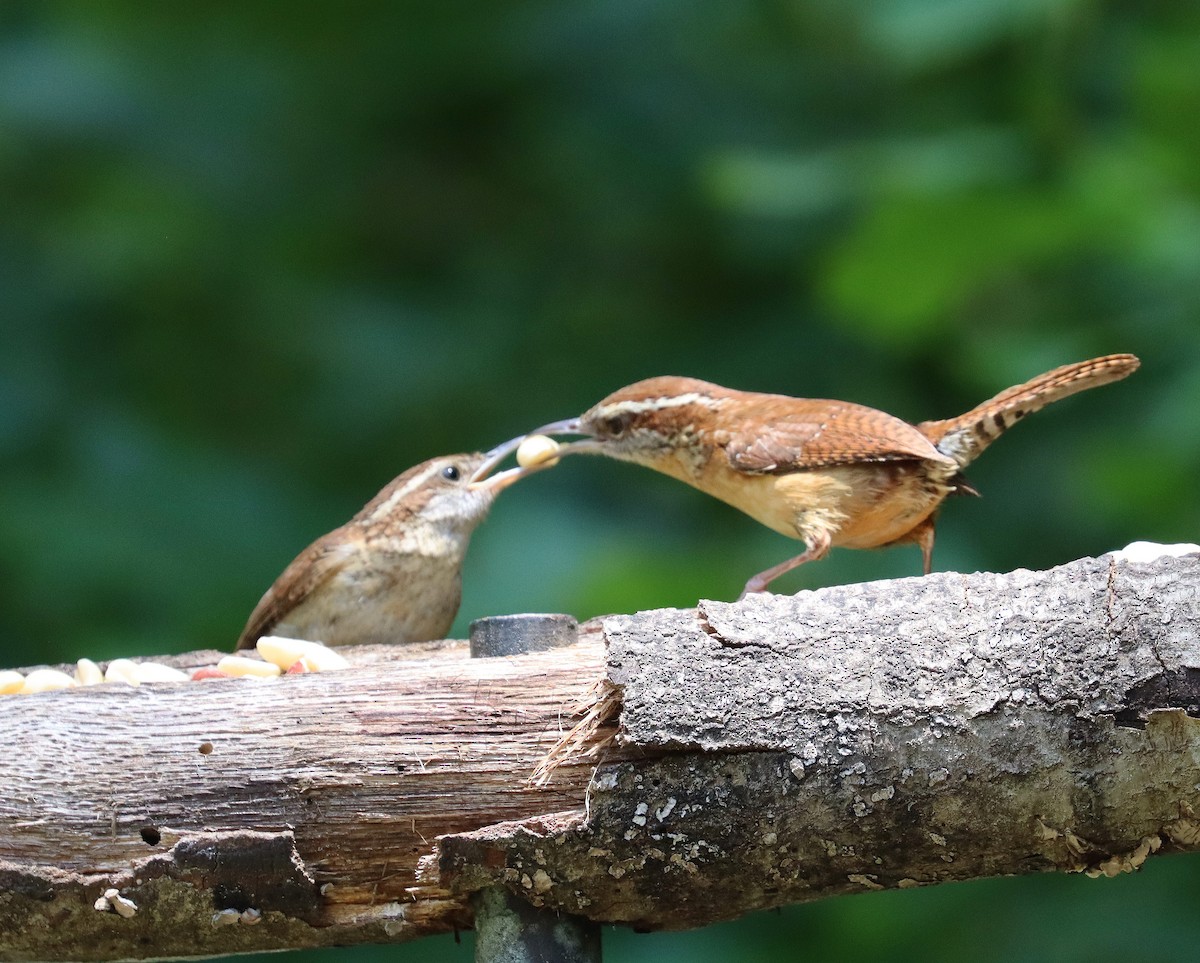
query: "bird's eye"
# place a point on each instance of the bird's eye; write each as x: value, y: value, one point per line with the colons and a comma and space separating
x: 450, y: 472
x: 615, y: 425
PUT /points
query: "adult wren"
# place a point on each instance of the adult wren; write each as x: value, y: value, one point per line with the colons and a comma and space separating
x: 393, y: 573
x: 826, y: 472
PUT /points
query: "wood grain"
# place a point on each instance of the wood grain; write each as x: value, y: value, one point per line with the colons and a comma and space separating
x: 363, y: 768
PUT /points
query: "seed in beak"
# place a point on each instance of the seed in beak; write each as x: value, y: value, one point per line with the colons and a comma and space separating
x: 536, y: 451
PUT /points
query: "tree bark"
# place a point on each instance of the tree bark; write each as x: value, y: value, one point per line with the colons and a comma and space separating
x: 673, y: 768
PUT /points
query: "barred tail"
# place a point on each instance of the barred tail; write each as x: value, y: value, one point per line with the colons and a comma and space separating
x: 964, y: 438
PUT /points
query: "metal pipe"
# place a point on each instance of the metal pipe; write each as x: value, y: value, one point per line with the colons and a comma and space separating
x: 509, y: 929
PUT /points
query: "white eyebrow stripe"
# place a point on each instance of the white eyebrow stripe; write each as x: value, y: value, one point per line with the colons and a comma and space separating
x: 400, y: 494
x: 666, y: 401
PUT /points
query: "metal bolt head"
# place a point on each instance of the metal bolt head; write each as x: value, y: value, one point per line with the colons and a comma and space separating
x: 499, y: 635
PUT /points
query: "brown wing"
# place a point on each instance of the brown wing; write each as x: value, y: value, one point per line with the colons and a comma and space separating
x: 800, y: 433
x: 311, y: 569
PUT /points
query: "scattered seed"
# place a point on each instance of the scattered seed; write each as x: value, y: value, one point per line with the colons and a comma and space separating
x: 285, y: 653
x: 157, y: 672
x: 88, y: 673
x: 47, y: 680
x: 122, y: 670
x: 240, y: 665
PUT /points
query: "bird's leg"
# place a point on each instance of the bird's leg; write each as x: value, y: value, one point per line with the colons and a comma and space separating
x: 923, y: 536
x: 817, y: 547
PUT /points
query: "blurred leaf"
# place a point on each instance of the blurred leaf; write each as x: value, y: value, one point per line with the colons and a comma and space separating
x: 776, y: 185
x: 904, y: 272
x: 924, y: 33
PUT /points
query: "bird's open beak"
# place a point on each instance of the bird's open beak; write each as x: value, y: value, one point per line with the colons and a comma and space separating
x: 483, y: 480
x: 483, y: 477
x: 497, y: 482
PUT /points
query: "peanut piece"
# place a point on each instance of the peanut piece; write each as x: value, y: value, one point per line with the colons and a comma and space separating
x: 47, y: 680
x: 157, y: 672
x: 240, y: 665
x: 88, y: 673
x: 287, y: 652
x: 122, y: 670
x: 537, y: 450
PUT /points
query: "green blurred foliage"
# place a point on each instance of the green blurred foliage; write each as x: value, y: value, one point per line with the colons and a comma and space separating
x: 255, y: 259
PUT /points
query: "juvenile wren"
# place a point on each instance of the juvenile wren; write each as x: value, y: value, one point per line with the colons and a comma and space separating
x: 826, y: 472
x: 393, y: 573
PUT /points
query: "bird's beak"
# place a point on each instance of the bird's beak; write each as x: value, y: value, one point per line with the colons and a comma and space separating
x: 483, y: 477
x: 497, y: 482
x: 572, y: 426
x: 484, y: 480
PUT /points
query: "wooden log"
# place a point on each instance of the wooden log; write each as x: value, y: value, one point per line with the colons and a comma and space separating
x: 314, y: 800
x: 770, y: 751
